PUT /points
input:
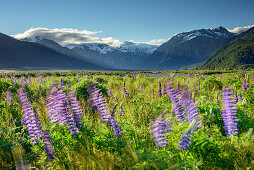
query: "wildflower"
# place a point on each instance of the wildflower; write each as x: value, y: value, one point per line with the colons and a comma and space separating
x: 176, y: 104
x: 185, y: 138
x: 48, y: 145
x: 244, y: 85
x: 191, y: 110
x: 62, y: 84
x: 76, y: 109
x: 9, y: 96
x: 229, y: 113
x: 97, y: 101
x: 185, y: 141
x: 110, y: 93
x: 158, y: 129
x: 125, y: 90
x: 30, y: 118
x: 121, y: 111
x: 59, y: 110
x: 114, y: 124
x: 159, y: 90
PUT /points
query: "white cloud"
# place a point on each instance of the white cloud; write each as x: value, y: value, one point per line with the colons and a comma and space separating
x: 240, y: 29
x: 73, y: 36
x: 68, y: 36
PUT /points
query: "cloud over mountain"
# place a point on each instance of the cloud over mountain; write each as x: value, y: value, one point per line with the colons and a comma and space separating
x: 73, y: 36
x: 239, y: 30
x: 68, y: 36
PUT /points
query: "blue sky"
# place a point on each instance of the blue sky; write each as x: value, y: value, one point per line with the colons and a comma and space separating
x: 138, y: 20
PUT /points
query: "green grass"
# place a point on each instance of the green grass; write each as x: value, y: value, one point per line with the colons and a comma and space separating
x: 96, y: 147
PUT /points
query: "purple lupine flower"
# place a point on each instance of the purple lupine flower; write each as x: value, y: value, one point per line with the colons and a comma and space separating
x: 23, y: 81
x: 49, y: 146
x: 141, y: 88
x: 185, y: 141
x: 59, y: 110
x: 159, y: 90
x: 191, y: 110
x: 121, y: 111
x: 40, y: 89
x: 229, y: 113
x: 125, y: 91
x: 62, y: 84
x: 177, y: 107
x: 240, y: 97
x: 29, y: 79
x: 110, y: 93
x: 158, y: 129
x: 189, y: 74
x: 214, y: 88
x: 9, y: 96
x: 13, y: 80
x: 76, y: 109
x: 30, y: 118
x: 41, y: 80
x: 98, y: 101
x: 198, y: 86
x: 186, y: 136
x: 114, y: 124
x: 244, y: 85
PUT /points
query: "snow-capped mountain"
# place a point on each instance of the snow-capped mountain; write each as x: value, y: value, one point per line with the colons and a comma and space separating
x: 132, y: 47
x: 216, y: 33
x: 183, y: 49
x: 125, y: 47
x: 189, y: 48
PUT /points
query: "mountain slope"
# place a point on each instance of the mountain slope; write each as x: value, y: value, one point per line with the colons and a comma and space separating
x: 188, y: 48
x: 129, y: 55
x: 17, y: 54
x: 238, y: 54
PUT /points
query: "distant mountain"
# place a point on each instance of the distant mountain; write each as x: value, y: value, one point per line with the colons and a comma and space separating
x: 238, y: 54
x: 188, y: 48
x: 20, y: 54
x: 129, y: 55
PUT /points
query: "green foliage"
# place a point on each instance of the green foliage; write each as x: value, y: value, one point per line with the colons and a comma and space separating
x: 238, y: 54
x: 96, y: 147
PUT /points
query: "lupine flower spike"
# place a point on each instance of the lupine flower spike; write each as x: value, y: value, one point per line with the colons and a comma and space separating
x: 244, y: 85
x: 30, y: 118
x: 185, y: 139
x: 159, y: 90
x: 9, y: 96
x: 229, y: 113
x: 159, y: 127
x: 110, y: 93
x: 121, y: 111
x: 125, y: 90
x: 98, y: 101
x: 176, y: 104
x: 114, y: 124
